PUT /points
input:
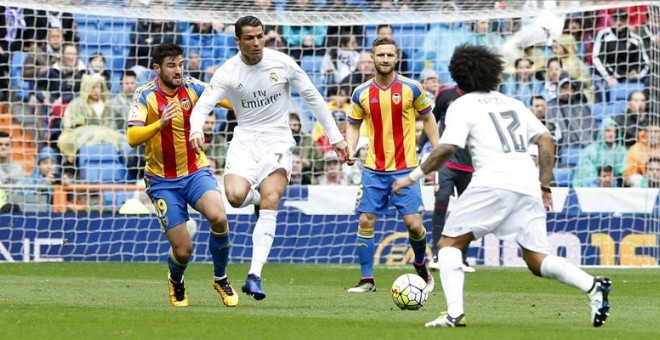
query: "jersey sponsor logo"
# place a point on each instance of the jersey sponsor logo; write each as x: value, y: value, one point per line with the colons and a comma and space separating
x: 273, y: 77
x: 396, y: 98
x: 260, y: 100
x: 186, y: 105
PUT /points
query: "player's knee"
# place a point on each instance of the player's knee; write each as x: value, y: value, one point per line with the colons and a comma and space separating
x: 218, y: 222
x: 270, y: 200
x: 367, y: 220
x: 182, y: 253
x: 235, y: 199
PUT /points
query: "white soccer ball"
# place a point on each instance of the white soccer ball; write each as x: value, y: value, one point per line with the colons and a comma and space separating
x: 408, y: 292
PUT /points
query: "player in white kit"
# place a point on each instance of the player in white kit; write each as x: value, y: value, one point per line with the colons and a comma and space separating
x: 504, y: 197
x: 257, y: 82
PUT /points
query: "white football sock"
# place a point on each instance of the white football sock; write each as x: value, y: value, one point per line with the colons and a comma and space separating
x: 560, y: 269
x: 452, y: 277
x: 262, y: 240
x: 253, y: 197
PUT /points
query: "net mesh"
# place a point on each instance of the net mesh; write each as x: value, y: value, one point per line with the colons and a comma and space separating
x: 70, y: 210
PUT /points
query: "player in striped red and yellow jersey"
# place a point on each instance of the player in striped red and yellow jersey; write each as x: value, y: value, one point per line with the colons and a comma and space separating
x: 389, y: 104
x: 175, y: 175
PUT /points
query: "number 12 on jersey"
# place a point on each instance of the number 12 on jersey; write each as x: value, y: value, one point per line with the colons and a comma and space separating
x: 519, y: 144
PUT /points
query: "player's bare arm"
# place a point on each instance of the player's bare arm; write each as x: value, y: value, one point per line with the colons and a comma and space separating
x: 546, y: 163
x: 137, y: 135
x: 431, y: 129
x: 352, y: 137
x: 435, y: 160
x: 344, y: 152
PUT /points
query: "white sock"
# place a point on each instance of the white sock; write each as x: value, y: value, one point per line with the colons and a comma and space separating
x: 560, y: 269
x: 253, y: 197
x: 262, y: 239
x: 452, y: 277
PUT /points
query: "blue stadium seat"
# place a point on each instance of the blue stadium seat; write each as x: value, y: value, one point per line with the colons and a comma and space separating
x: 312, y: 64
x: 563, y: 177
x: 603, y: 110
x: 100, y: 163
x: 622, y: 90
x: 569, y: 156
x: 21, y: 89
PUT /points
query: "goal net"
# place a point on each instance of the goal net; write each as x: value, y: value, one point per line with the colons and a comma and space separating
x: 71, y: 188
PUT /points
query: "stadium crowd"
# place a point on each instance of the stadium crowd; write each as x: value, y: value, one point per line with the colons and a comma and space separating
x: 67, y: 82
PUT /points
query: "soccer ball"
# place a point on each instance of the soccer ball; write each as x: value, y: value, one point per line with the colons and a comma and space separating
x: 408, y: 292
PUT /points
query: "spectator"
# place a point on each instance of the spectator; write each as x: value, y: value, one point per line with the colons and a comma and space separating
x: 96, y: 65
x: 303, y: 40
x: 606, y: 150
x: 572, y: 115
x: 148, y: 34
x: 619, y: 54
x: 365, y: 71
x: 641, y: 152
x: 577, y: 26
x: 334, y: 33
x: 430, y: 82
x: 46, y: 173
x: 122, y: 101
x: 386, y: 31
x: 87, y: 120
x: 483, y: 35
x: 215, y: 143
x: 521, y: 85
x: 553, y: 71
x: 606, y: 177
x: 194, y: 67
x: 297, y: 175
x: 539, y: 107
x: 64, y: 21
x: 634, y: 119
x: 652, y: 177
x: 58, y: 86
x: 310, y: 154
x: 340, y: 62
x: 42, y: 57
x: 10, y: 172
x: 208, y: 40
x: 273, y: 35
x: 322, y: 141
x: 565, y: 49
x: 333, y: 172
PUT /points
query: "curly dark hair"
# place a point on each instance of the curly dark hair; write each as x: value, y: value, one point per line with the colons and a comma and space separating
x: 476, y: 68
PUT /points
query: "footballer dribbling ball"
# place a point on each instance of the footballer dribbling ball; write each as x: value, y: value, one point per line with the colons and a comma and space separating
x: 408, y: 292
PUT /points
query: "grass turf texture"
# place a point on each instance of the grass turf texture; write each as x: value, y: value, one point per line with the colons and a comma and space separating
x: 129, y: 300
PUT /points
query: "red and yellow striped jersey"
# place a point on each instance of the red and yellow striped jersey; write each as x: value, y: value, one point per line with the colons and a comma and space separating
x: 390, y: 117
x: 169, y: 154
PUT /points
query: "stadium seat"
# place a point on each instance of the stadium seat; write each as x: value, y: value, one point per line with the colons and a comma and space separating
x: 622, y: 90
x: 569, y: 156
x: 21, y: 89
x: 100, y: 163
x: 563, y: 177
x: 312, y: 64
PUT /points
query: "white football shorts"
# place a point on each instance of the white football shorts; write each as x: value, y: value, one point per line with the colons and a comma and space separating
x: 255, y: 155
x: 507, y: 214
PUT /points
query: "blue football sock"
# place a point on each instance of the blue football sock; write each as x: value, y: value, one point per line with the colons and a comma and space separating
x: 366, y: 249
x: 176, y: 268
x: 419, y: 248
x: 219, y: 245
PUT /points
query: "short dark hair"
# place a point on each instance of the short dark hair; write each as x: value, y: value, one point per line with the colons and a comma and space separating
x: 4, y: 134
x: 128, y: 73
x: 94, y: 55
x: 519, y: 60
x: 531, y: 101
x: 294, y: 116
x: 384, y: 26
x: 384, y: 41
x: 249, y: 20
x: 553, y: 59
x: 604, y: 168
x: 630, y: 95
x: 476, y: 68
x: 163, y: 51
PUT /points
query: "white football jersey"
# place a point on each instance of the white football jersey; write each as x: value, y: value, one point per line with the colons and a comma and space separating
x: 497, y: 130
x: 260, y: 94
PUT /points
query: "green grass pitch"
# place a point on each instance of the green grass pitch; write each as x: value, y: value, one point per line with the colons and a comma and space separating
x: 129, y: 300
